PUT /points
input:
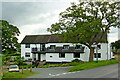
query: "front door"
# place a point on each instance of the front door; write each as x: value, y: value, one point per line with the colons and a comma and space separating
x: 39, y: 57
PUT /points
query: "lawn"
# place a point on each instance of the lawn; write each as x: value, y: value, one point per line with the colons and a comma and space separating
x: 90, y: 65
x: 18, y: 74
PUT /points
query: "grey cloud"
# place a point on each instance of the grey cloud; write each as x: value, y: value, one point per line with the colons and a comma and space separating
x: 20, y: 13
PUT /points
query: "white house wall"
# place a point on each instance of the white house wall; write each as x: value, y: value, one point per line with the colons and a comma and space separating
x: 55, y: 57
x: 68, y: 56
x: 103, y: 51
x: 43, y: 57
x: 24, y: 50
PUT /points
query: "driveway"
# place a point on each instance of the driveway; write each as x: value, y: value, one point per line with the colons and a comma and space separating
x: 110, y: 71
x: 48, y: 72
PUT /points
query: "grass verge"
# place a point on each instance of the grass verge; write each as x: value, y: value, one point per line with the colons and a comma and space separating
x: 18, y: 74
x: 90, y: 65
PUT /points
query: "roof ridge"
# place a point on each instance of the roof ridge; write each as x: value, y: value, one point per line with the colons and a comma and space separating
x: 40, y: 35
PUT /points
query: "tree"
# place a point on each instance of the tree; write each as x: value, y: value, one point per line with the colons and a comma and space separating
x: 87, y: 23
x: 116, y: 44
x: 9, y: 38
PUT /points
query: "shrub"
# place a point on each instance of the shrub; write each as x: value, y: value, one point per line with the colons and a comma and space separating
x: 63, y: 65
x: 73, y: 63
x: 52, y: 65
x: 25, y: 66
x: 15, y: 63
x: 77, y: 60
x: 11, y: 60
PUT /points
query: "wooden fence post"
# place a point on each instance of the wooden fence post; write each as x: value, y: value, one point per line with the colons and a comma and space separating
x: 30, y: 69
x: 22, y: 70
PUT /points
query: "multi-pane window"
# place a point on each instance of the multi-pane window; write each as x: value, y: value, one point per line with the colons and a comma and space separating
x: 76, y: 55
x: 99, y: 46
x: 61, y: 55
x: 65, y: 46
x: 97, y: 54
x: 52, y: 46
x: 27, y: 54
x: 27, y: 45
x: 78, y: 47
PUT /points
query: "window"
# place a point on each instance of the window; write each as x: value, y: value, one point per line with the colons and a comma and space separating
x: 27, y: 54
x: 52, y: 46
x: 62, y: 55
x: 42, y: 47
x: 99, y: 46
x: 65, y: 46
x: 76, y: 55
x: 78, y: 47
x: 27, y: 45
x: 95, y: 55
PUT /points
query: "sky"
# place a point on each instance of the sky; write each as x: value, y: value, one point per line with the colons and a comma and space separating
x: 34, y: 17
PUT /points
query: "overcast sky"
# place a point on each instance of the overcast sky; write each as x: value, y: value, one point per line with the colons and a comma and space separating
x: 35, y: 17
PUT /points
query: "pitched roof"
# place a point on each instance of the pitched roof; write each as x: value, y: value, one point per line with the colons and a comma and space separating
x: 36, y: 39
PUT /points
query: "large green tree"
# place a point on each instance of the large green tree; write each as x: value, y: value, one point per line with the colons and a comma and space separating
x: 83, y: 23
x: 9, y: 38
x: 116, y: 44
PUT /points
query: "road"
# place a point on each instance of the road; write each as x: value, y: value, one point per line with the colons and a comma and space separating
x: 110, y: 71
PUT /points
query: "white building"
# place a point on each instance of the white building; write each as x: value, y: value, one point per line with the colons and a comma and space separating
x: 49, y: 48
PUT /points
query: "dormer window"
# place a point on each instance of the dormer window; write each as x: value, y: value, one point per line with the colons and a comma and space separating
x: 27, y: 45
x: 78, y: 47
x: 52, y: 46
x: 65, y: 46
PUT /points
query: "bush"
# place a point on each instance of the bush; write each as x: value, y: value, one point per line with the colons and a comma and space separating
x: 15, y: 63
x: 63, y: 65
x: 25, y: 66
x: 19, y: 61
x: 77, y: 60
x: 52, y: 65
x: 73, y: 63
x: 11, y: 60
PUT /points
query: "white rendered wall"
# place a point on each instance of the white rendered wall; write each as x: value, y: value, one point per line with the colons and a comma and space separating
x: 68, y: 56
x: 55, y: 57
x: 24, y: 50
x: 103, y: 51
x: 43, y: 57
x: 83, y: 56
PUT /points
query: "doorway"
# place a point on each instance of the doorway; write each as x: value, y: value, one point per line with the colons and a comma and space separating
x: 39, y: 59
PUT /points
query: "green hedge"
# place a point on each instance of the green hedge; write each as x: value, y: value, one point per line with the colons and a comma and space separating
x: 60, y: 65
x: 25, y: 66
